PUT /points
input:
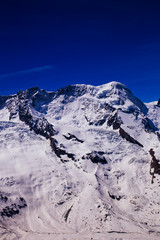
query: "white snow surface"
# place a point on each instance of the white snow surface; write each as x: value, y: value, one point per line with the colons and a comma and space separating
x: 80, y: 199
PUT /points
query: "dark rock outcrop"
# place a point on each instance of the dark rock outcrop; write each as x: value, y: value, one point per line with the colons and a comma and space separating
x: 114, y: 121
x: 3, y: 197
x: 67, y: 213
x: 103, y: 116
x: 72, y: 90
x: 39, y: 125
x: 149, y: 125
x: 158, y: 103
x: 100, y: 122
x: 109, y: 108
x: 126, y: 136
x: 114, y: 197
x: 96, y: 157
x: 58, y: 151
x: 13, y: 209
x: 158, y: 135
x: 73, y: 137
x: 154, y: 166
x: 12, y: 105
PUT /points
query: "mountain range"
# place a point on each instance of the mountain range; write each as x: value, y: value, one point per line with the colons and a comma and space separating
x: 79, y: 163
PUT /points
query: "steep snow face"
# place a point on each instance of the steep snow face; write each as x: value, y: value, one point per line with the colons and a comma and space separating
x: 78, y: 161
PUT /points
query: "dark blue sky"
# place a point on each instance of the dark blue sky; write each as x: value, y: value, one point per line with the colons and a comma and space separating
x: 53, y: 43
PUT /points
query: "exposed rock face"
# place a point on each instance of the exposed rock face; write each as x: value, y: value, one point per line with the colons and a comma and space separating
x: 96, y: 157
x: 67, y: 213
x: 109, y: 108
x: 158, y: 104
x: 73, y: 137
x: 155, y: 165
x: 74, y: 90
x: 128, y: 137
x: 39, y: 125
x: 58, y: 151
x: 3, y: 197
x: 114, y: 121
x: 114, y: 197
x: 13, y: 209
x: 149, y: 124
x: 101, y: 121
x: 12, y: 105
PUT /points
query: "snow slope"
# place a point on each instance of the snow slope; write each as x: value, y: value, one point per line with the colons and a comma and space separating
x: 79, y: 163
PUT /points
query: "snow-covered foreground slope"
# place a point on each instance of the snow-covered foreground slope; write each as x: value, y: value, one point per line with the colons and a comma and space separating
x: 79, y: 163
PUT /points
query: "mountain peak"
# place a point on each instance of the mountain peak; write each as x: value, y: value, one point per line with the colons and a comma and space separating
x: 115, y: 84
x: 119, y: 96
x: 114, y: 88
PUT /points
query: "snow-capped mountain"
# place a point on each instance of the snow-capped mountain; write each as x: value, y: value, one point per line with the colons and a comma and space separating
x: 79, y: 163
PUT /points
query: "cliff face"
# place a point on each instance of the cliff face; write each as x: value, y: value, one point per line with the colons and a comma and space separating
x: 82, y: 158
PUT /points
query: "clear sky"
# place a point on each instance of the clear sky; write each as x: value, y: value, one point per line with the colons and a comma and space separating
x: 53, y: 43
